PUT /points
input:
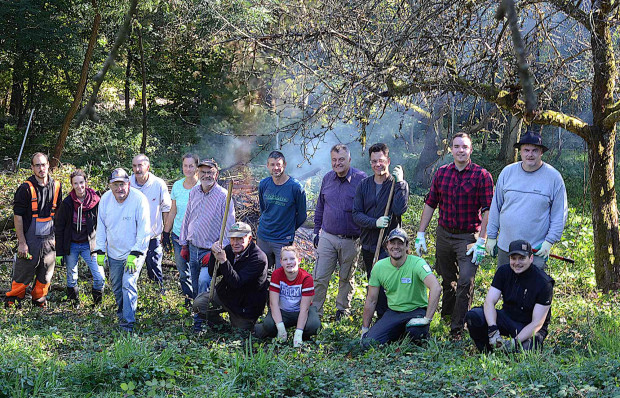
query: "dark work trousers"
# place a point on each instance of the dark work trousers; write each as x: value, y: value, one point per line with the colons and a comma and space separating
x: 478, y: 330
x: 393, y: 325
x: 457, y: 274
x: 368, y: 256
x: 154, y: 256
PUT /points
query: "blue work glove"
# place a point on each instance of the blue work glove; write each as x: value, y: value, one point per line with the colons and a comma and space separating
x: 478, y: 251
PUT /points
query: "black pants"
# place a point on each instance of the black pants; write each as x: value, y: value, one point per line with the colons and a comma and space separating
x: 368, y: 256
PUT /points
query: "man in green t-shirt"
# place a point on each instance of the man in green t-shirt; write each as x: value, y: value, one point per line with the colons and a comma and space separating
x: 405, y: 279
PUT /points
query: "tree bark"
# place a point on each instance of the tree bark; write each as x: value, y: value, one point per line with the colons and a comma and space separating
x: 425, y: 169
x: 79, y: 91
x: 16, y: 105
x: 128, y: 77
x: 143, y: 71
x: 514, y: 133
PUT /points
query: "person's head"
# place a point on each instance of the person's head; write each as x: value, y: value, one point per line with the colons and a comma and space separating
x: 189, y: 163
x: 289, y: 258
x: 397, y: 244
x: 531, y: 150
x: 276, y: 164
x: 240, y: 236
x: 379, y: 158
x: 78, y: 182
x: 521, y: 256
x: 461, y: 149
x: 341, y: 159
x: 208, y: 171
x: 40, y: 166
x: 140, y: 165
x: 119, y: 184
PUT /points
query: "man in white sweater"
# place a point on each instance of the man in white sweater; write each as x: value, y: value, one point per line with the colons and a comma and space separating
x: 158, y: 197
x: 123, y: 233
x: 533, y: 190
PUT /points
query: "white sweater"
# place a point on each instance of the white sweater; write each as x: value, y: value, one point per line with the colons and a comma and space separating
x: 156, y: 192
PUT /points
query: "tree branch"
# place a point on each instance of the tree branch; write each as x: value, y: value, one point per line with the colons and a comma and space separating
x: 572, y: 10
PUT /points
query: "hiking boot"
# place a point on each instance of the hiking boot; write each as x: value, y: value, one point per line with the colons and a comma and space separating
x: 97, y: 296
x: 12, y: 302
x: 40, y: 304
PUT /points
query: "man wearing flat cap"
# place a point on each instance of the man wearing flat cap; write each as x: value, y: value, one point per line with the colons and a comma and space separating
x: 123, y: 234
x: 522, y: 322
x: 530, y: 188
x: 406, y: 279
x: 242, y: 289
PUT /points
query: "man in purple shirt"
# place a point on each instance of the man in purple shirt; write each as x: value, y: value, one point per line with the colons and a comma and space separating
x: 337, y: 236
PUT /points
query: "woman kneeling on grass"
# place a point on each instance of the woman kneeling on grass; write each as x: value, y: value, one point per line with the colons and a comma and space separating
x: 290, y: 295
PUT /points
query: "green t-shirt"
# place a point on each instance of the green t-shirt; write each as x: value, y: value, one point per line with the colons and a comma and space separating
x: 404, y: 286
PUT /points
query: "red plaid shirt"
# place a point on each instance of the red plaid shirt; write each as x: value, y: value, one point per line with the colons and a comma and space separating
x: 462, y: 196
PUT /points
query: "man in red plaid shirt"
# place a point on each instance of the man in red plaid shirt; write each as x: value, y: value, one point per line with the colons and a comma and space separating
x: 463, y: 191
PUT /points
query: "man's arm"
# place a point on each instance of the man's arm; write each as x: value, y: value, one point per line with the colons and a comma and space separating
x: 434, y: 292
x: 427, y: 215
x: 300, y: 212
x: 171, y: 216
x: 490, y: 313
x: 359, y: 213
x: 539, y: 314
x: 304, y: 307
x: 370, y: 305
x: 401, y: 198
x: 483, y: 225
x: 557, y: 214
x: 22, y: 246
x: 318, y: 211
x: 237, y: 279
x: 101, y: 236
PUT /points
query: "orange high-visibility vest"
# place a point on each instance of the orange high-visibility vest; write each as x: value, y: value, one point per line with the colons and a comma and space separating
x: 35, y: 205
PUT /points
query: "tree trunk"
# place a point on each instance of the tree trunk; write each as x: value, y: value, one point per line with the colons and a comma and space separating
x: 424, y: 169
x: 64, y: 130
x: 16, y: 105
x: 143, y: 70
x: 128, y: 77
x: 510, y: 138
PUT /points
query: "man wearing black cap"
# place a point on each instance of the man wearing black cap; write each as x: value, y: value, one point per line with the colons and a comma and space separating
x: 527, y: 292
x: 405, y: 279
x: 529, y: 188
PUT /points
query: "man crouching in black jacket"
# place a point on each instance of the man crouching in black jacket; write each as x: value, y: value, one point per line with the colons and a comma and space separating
x: 242, y: 290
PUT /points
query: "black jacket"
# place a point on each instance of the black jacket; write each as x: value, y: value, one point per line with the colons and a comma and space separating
x: 64, y: 227
x: 244, y: 284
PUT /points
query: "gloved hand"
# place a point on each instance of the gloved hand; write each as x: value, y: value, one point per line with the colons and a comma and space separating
x: 490, y: 246
x: 544, y: 250
x: 398, y: 173
x: 185, y: 253
x: 59, y: 260
x: 205, y: 259
x: 418, y: 321
x: 165, y: 241
x: 316, y: 241
x: 298, y: 338
x: 509, y: 345
x: 478, y: 251
x: 363, y: 332
x: 281, y: 331
x: 495, y: 339
x: 382, y: 222
x: 132, y: 262
x: 100, y: 258
x: 420, y: 244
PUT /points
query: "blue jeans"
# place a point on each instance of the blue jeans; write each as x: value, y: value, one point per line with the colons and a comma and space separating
x: 272, y: 250
x: 125, y: 287
x: 185, y: 275
x: 393, y: 325
x: 71, y: 261
x: 200, y: 279
x: 154, y: 255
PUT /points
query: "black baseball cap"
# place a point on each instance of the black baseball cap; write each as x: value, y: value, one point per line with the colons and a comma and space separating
x: 521, y: 247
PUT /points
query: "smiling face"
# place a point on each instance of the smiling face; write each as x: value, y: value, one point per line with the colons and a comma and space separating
x: 189, y: 167
x: 380, y: 163
x: 239, y: 244
x: 78, y: 183
x: 396, y: 248
x: 208, y: 176
x: 520, y: 263
x: 289, y: 261
x: 120, y: 190
x: 531, y: 156
x: 341, y: 162
x: 276, y: 167
x: 461, y: 151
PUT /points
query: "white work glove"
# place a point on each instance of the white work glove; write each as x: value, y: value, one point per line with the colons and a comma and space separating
x: 545, y: 250
x: 418, y: 321
x: 297, y: 338
x: 398, y: 173
x: 281, y: 331
x: 382, y: 222
x: 478, y: 251
x: 420, y: 244
x: 363, y: 332
x: 495, y: 339
x: 490, y: 246
x: 509, y: 344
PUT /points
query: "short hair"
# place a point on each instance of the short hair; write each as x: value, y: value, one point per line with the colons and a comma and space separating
x: 460, y: 134
x: 379, y: 147
x: 77, y: 173
x: 145, y: 158
x: 290, y: 248
x: 38, y: 154
x: 191, y: 156
x: 276, y: 155
x: 341, y: 147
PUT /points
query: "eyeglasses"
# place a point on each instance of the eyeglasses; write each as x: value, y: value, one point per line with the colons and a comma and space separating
x: 208, y: 173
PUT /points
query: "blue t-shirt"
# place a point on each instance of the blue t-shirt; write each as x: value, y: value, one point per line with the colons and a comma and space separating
x: 282, y: 208
x: 181, y: 195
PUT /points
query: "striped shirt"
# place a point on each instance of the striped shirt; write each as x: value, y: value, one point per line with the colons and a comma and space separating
x: 203, y: 217
x: 291, y: 291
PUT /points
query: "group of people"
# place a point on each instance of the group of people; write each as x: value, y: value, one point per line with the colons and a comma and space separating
x: 137, y: 219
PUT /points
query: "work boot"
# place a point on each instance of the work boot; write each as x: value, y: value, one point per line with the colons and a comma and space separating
x: 40, y: 304
x: 73, y: 294
x: 12, y: 302
x: 97, y: 296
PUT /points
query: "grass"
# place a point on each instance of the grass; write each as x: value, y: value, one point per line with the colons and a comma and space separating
x: 69, y: 352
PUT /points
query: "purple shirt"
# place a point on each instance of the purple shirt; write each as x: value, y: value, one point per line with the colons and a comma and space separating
x: 334, y: 206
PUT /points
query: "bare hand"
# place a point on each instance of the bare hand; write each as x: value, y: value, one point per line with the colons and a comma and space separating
x: 218, y: 252
x: 22, y: 250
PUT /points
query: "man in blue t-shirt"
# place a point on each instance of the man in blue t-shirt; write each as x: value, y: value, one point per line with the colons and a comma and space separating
x: 282, y: 202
